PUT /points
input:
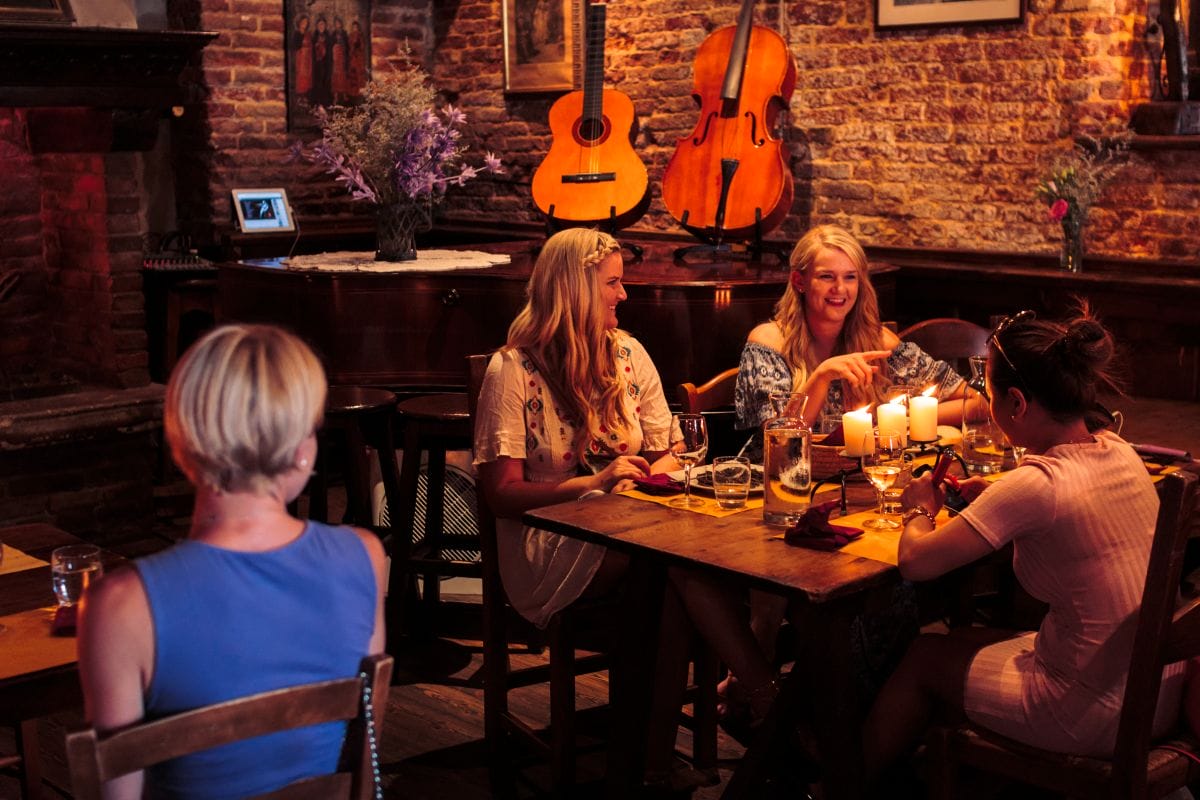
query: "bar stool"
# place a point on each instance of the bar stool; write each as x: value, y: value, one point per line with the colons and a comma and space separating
x: 356, y: 417
x: 432, y: 424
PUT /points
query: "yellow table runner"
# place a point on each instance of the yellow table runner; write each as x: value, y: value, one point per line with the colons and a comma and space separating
x: 710, y: 506
x: 16, y: 561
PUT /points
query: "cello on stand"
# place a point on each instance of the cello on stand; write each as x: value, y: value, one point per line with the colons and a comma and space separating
x: 729, y: 179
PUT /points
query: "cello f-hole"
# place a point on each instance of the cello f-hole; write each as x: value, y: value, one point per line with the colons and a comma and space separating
x: 755, y: 139
x: 704, y: 134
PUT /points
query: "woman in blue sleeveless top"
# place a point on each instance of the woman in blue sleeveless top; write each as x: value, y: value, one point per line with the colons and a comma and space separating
x: 253, y: 599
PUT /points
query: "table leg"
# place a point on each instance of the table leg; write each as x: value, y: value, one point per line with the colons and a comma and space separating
x: 835, y: 717
x: 31, y: 763
x: 631, y: 674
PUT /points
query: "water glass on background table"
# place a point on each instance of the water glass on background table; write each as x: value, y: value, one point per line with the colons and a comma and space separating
x: 731, y: 480
x: 72, y: 570
x: 689, y: 450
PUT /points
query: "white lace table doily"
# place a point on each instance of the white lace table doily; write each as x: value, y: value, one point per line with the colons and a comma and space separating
x: 426, y: 261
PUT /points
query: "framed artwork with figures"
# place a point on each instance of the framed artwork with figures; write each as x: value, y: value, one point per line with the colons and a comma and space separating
x: 328, y: 44
x: 36, y: 12
x: 902, y: 14
x: 543, y: 45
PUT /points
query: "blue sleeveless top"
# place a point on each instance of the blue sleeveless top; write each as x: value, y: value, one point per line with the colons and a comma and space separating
x: 229, y: 624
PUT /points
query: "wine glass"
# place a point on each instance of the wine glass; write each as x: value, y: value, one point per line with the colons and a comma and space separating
x: 882, y: 464
x: 689, y: 451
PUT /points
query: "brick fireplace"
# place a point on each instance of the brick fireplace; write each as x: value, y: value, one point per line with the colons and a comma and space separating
x: 80, y: 115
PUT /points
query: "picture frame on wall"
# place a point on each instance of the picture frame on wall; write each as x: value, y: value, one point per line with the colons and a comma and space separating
x: 901, y: 14
x: 36, y: 12
x: 543, y: 45
x: 328, y: 45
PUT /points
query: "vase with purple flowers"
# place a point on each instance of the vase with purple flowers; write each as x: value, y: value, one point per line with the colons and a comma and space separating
x: 398, y: 150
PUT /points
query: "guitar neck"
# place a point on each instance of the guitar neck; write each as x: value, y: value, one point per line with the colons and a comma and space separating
x: 593, y: 74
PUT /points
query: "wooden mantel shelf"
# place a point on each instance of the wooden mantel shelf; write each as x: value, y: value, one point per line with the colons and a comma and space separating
x: 97, y: 67
x: 1146, y: 142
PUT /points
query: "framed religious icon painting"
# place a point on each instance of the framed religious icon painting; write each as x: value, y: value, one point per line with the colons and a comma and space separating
x: 36, y: 12
x: 543, y: 45
x: 328, y: 56
x: 900, y: 14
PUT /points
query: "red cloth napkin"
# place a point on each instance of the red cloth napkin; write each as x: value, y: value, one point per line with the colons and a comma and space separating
x: 660, y: 483
x: 836, y: 438
x: 814, y: 530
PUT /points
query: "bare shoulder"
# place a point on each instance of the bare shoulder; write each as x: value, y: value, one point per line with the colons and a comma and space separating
x: 374, y: 546
x: 117, y: 602
x: 767, y: 334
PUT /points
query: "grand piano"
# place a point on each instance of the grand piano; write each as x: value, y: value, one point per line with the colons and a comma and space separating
x: 411, y: 331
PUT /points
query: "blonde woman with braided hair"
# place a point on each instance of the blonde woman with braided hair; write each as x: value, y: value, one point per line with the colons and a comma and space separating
x: 568, y: 393
x: 570, y: 407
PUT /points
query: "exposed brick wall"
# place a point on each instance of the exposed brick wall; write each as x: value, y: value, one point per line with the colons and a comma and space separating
x: 928, y: 138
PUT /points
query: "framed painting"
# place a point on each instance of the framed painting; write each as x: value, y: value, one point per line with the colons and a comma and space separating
x: 900, y: 14
x: 40, y: 12
x: 328, y: 56
x: 543, y: 45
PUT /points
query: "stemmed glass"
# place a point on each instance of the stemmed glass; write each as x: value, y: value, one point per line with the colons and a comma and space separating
x: 689, y: 451
x: 882, y: 464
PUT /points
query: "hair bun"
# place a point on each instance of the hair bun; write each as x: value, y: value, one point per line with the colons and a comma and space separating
x: 1085, y: 341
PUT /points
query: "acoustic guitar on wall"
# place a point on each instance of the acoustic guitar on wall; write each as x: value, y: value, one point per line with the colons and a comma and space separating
x: 592, y: 174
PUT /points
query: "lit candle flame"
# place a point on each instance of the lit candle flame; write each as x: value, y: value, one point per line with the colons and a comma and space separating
x: 929, y: 392
x: 864, y: 409
x: 900, y: 399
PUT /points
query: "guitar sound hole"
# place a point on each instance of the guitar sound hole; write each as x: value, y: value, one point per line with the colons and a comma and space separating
x: 592, y: 130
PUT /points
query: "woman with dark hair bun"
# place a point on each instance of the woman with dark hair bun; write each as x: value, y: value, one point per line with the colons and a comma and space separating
x: 1080, y: 513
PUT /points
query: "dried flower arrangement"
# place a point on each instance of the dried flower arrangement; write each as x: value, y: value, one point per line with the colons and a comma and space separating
x: 395, y: 145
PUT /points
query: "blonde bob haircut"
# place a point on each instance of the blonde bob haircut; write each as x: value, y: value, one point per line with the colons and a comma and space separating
x: 860, y: 332
x: 562, y: 327
x: 239, y: 404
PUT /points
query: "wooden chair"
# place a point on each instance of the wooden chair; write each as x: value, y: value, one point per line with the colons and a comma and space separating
x: 501, y: 723
x: 432, y: 424
x: 950, y: 340
x: 1164, y: 635
x: 98, y: 757
x: 714, y: 399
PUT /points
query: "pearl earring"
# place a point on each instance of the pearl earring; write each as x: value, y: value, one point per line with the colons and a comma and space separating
x: 303, y: 463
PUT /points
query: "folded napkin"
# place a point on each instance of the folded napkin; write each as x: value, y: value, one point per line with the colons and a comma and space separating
x: 1160, y: 453
x: 660, y: 483
x: 836, y: 438
x: 815, y: 531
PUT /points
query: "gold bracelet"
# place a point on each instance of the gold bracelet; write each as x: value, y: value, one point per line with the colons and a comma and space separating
x: 918, y: 511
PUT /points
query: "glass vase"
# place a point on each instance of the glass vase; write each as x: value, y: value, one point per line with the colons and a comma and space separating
x: 396, y: 228
x: 1071, y: 257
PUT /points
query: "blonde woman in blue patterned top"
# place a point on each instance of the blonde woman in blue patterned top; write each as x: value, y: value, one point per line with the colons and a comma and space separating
x: 826, y: 341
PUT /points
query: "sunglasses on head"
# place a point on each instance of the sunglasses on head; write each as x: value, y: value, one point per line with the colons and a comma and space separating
x: 994, y: 339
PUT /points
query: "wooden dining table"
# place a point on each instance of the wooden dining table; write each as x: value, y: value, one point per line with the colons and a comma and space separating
x: 827, y: 590
x: 38, y: 670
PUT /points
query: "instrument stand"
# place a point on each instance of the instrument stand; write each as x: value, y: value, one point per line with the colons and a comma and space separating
x: 609, y: 226
x: 715, y: 245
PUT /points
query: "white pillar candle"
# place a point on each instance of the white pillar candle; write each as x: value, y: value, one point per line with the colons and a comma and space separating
x: 922, y: 418
x: 856, y: 425
x: 894, y: 417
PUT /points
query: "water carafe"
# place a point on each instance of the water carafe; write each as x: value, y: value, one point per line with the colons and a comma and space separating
x: 787, y: 461
x: 983, y: 442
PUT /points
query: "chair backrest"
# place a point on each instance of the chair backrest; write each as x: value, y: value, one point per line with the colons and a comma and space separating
x: 1165, y: 634
x: 714, y: 394
x: 99, y: 757
x: 950, y: 340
